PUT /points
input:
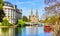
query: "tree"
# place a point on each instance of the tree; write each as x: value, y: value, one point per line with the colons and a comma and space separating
x: 25, y: 18
x: 52, y: 12
x: 22, y: 23
x: 52, y: 9
x: 29, y: 19
x: 1, y: 10
x: 5, y: 22
x: 49, y: 2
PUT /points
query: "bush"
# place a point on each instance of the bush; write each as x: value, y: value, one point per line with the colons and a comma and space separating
x: 22, y: 23
x: 5, y: 22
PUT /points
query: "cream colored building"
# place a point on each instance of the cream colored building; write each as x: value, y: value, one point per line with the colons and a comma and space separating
x: 34, y: 18
x: 12, y: 13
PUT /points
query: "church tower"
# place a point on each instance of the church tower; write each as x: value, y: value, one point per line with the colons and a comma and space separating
x: 36, y: 16
x: 31, y: 15
x: 37, y: 13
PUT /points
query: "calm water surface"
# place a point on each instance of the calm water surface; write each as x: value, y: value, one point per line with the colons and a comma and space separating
x: 26, y: 31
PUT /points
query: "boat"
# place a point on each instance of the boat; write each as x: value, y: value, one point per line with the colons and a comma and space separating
x: 47, y: 29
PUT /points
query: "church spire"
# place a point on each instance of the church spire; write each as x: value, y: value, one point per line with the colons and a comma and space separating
x: 31, y: 14
x: 36, y: 15
x: 36, y: 12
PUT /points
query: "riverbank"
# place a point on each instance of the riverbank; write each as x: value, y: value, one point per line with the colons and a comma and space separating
x: 14, y: 26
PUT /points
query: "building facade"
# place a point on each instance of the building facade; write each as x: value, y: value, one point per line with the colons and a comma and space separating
x: 34, y: 18
x: 12, y: 13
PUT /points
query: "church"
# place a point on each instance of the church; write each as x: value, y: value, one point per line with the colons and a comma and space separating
x: 34, y: 18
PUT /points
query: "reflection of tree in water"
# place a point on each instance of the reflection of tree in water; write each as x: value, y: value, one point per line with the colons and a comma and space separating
x: 18, y: 31
x: 5, y: 29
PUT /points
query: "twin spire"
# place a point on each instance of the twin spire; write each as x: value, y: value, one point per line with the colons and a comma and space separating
x: 34, y: 18
x: 32, y: 12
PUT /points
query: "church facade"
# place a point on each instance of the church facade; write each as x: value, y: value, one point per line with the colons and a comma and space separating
x: 34, y: 18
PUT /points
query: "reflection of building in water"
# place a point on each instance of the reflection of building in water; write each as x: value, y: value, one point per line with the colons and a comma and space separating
x: 11, y: 32
x: 8, y: 32
x: 34, y: 31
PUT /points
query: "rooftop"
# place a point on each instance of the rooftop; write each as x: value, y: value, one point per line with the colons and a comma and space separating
x: 8, y: 4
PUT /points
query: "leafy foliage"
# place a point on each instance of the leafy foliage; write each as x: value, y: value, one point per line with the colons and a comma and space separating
x: 1, y: 4
x: 25, y: 18
x: 5, y: 22
x: 22, y: 23
x: 1, y: 10
x: 5, y: 30
x: 52, y: 12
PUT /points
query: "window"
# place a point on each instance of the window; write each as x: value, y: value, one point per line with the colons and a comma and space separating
x: 5, y: 11
x: 9, y: 12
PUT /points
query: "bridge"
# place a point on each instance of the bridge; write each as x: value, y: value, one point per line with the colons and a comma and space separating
x: 32, y: 24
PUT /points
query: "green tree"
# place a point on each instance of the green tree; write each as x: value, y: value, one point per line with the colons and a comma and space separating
x: 29, y: 19
x: 46, y: 20
x: 5, y: 22
x: 25, y: 18
x: 52, y: 12
x: 21, y: 22
x: 1, y: 10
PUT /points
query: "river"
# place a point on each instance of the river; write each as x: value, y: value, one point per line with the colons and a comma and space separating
x: 25, y: 31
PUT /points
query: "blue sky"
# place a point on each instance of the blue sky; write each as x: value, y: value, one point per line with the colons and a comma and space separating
x: 26, y: 6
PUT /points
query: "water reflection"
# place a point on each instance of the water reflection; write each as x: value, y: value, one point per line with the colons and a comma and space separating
x: 7, y: 32
x: 27, y: 31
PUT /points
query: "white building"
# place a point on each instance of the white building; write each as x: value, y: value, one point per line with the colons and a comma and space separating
x: 12, y: 13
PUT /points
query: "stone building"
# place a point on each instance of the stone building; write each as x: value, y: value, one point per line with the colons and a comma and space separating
x: 34, y: 18
x: 12, y: 13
